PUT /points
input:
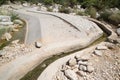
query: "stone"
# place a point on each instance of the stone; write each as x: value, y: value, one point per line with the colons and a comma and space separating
x: 90, y: 69
x: 72, y: 62
x: 6, y: 23
x: 38, y: 44
x: 15, y: 41
x: 83, y: 67
x: 44, y: 65
x: 81, y: 73
x: 98, y: 53
x: 17, y: 21
x: 65, y: 67
x: 2, y: 53
x: 101, y: 47
x: 82, y: 62
x: 6, y: 36
x: 5, y: 18
x: 118, y: 31
x: 110, y: 45
x: 70, y: 74
x: 15, y: 30
x: 83, y: 58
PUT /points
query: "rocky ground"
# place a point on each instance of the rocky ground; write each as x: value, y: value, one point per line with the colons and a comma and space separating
x: 103, y: 63
x: 13, y: 51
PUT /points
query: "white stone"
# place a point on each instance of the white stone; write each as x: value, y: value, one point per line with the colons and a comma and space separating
x: 5, y: 18
x: 6, y: 23
x: 101, y: 47
x: 7, y: 36
x: 83, y: 67
x: 83, y: 63
x: 71, y: 74
x: 98, y: 53
x: 15, y: 41
x: 72, y: 62
x: 118, y: 31
x: 90, y: 69
x: 38, y: 44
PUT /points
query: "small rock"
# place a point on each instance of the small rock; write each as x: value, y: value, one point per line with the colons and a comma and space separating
x: 98, y: 53
x: 15, y: 30
x: 15, y: 41
x: 101, y: 48
x: 118, y: 31
x: 70, y: 74
x: 6, y: 36
x: 90, y: 69
x: 83, y: 58
x: 38, y: 45
x: 65, y: 67
x: 83, y: 68
x: 17, y: 21
x: 72, y: 62
x: 110, y: 45
x: 44, y: 65
x: 81, y: 73
x: 82, y: 62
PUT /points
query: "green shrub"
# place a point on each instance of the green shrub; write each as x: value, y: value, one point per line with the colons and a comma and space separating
x: 64, y: 10
x: 14, y: 16
x: 104, y: 15
x: 48, y: 2
x: 91, y: 11
x: 114, y: 18
x: 49, y: 9
x: 81, y: 13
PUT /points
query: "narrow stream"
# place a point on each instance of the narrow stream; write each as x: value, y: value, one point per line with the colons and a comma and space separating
x: 35, y: 73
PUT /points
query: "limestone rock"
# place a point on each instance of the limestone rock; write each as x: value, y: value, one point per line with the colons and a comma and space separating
x: 101, y: 47
x: 7, y: 36
x: 81, y: 73
x: 71, y: 74
x: 72, y: 62
x: 38, y: 44
x: 118, y: 31
x: 98, y: 53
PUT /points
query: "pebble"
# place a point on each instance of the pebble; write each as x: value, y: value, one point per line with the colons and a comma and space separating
x: 101, y: 48
x: 83, y: 68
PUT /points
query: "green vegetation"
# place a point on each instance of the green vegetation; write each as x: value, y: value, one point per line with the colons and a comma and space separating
x: 64, y: 10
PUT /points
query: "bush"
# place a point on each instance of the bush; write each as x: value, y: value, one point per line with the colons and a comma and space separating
x: 64, y: 10
x: 114, y: 18
x: 49, y: 9
x: 48, y: 2
x: 104, y: 15
x: 91, y: 11
x: 81, y: 13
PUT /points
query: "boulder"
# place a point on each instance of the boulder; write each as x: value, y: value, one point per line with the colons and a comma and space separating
x: 82, y: 62
x: 38, y: 44
x: 98, y: 53
x: 83, y: 67
x: 15, y: 41
x: 70, y: 74
x: 118, y: 31
x: 72, y: 62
